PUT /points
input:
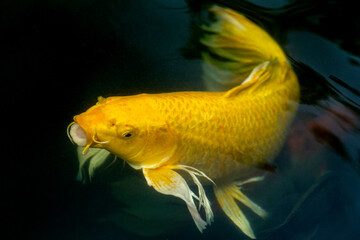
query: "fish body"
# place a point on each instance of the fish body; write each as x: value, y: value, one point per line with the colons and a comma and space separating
x: 218, y: 137
x: 223, y: 134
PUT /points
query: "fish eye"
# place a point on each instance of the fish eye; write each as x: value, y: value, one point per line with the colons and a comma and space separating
x: 128, y: 132
x: 127, y: 135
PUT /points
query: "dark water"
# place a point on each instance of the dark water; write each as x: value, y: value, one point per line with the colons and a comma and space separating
x: 58, y: 56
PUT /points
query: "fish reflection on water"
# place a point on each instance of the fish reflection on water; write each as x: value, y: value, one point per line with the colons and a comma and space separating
x: 159, y: 164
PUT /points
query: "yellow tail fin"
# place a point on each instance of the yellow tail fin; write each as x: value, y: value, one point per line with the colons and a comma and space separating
x: 242, y: 57
x: 237, y: 46
x: 227, y: 193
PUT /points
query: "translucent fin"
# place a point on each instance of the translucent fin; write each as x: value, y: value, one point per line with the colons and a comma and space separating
x: 169, y: 182
x: 236, y: 47
x: 227, y: 193
x: 96, y: 156
x: 203, y: 200
x: 246, y: 201
x: 258, y: 75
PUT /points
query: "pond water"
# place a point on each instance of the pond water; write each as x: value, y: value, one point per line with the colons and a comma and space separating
x: 61, y: 55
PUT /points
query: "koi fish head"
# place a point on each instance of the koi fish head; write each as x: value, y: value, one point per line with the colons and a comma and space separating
x: 128, y: 127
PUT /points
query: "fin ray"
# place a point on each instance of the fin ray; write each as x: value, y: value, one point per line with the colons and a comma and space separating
x: 232, y: 210
x: 169, y: 182
x: 227, y: 193
x: 257, y: 76
x: 236, y: 47
x: 96, y: 157
x: 203, y: 200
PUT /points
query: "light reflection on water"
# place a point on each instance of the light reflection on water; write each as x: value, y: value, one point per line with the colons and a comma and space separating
x: 316, y: 191
x: 315, y: 194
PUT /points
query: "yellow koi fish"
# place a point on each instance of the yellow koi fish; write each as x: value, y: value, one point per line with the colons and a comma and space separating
x: 213, y: 138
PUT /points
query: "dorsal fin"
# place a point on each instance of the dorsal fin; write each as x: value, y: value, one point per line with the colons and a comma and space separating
x: 262, y: 76
x: 239, y: 52
x: 257, y: 76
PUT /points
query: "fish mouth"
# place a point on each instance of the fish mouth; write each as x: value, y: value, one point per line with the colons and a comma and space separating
x: 77, y: 135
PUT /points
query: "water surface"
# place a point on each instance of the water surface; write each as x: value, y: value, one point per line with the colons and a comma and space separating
x: 62, y: 55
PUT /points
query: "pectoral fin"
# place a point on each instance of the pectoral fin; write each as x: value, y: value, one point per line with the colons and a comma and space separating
x: 169, y: 182
x: 96, y: 157
x: 227, y: 193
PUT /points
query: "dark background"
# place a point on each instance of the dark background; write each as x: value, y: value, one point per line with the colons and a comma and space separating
x: 58, y: 56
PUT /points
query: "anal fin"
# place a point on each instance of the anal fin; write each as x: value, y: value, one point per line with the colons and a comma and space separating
x: 227, y: 193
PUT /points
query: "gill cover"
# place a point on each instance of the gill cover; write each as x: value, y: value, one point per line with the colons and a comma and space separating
x: 130, y: 128
x: 159, y: 146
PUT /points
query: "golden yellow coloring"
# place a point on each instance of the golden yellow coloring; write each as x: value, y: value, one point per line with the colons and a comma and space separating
x: 218, y: 136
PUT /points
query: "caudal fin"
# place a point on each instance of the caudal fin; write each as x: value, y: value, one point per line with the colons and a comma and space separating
x: 236, y: 47
x: 227, y: 193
